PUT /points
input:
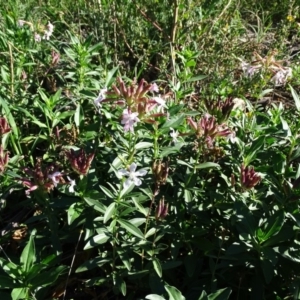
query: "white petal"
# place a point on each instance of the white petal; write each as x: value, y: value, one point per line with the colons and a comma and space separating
x: 127, y: 183
x: 123, y: 172
x: 141, y: 172
x: 137, y: 181
x: 132, y: 168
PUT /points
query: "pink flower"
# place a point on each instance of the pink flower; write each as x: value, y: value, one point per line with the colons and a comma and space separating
x: 55, y: 177
x: 154, y: 88
x: 129, y: 119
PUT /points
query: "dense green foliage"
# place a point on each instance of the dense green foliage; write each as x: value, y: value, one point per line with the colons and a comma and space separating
x: 149, y: 149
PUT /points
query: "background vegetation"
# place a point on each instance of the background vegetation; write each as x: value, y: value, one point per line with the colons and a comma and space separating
x: 149, y: 149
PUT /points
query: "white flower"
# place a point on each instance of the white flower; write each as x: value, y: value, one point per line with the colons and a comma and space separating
x: 21, y: 23
x: 249, y: 70
x: 53, y: 177
x: 281, y: 77
x: 37, y: 37
x: 48, y: 32
x: 72, y: 184
x: 132, y: 175
x: 161, y: 103
x: 174, y: 134
x: 101, y: 97
x: 238, y: 104
x: 231, y: 137
x: 129, y: 119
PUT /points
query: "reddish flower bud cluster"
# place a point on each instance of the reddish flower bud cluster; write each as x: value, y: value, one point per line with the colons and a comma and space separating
x: 55, y: 58
x: 249, y: 178
x: 135, y: 98
x: 209, y: 128
x: 161, y: 210
x: 3, y: 160
x: 220, y: 109
x: 80, y: 161
x: 4, y: 126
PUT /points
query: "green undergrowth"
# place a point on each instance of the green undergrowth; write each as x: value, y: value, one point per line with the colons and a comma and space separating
x: 149, y: 149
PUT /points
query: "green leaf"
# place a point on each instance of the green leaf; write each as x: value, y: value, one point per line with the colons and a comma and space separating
x: 96, y: 204
x: 181, y: 162
x: 188, y: 197
x: 78, y: 116
x: 123, y: 287
x: 157, y: 266
x: 110, y: 75
x: 295, y: 97
x: 28, y: 257
x: 195, y: 78
x: 172, y: 123
x: 283, y: 235
x: 245, y: 221
x: 273, y: 225
x: 203, y: 296
x: 97, y: 240
x: 109, y: 212
x: 107, y: 192
x: 19, y: 293
x: 74, y: 212
x: 222, y: 294
x: 13, y: 270
x: 125, y: 259
x: 131, y: 228
x: 165, y: 151
x: 6, y: 282
x: 268, y: 270
x: 154, y: 297
x: 91, y: 264
x: 143, y: 145
x: 173, y: 293
x: 255, y: 147
x: 207, y: 165
x: 49, y: 277
x: 140, y: 207
x: 190, y: 264
x: 150, y: 232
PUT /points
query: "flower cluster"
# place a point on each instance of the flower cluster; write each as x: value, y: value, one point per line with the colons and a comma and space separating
x: 139, y: 105
x: 4, y: 127
x: 161, y: 210
x: 44, y: 178
x: 249, y: 178
x: 220, y: 109
x: 42, y: 33
x: 209, y: 128
x: 280, y: 74
x: 80, y: 161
